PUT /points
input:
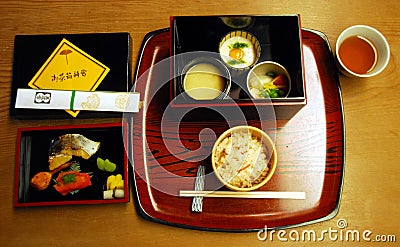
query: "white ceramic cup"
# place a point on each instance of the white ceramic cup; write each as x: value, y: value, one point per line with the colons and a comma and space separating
x: 376, y: 38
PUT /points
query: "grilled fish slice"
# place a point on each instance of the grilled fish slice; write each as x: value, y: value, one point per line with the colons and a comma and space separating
x: 58, y: 160
x: 64, y: 147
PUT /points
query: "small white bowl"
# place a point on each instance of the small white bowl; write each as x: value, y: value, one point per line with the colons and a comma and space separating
x: 220, y: 69
x: 264, y: 68
x: 379, y: 42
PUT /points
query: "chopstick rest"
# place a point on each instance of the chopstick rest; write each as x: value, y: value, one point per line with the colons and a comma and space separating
x: 77, y: 100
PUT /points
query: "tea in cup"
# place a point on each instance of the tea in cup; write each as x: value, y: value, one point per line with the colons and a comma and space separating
x: 362, y: 51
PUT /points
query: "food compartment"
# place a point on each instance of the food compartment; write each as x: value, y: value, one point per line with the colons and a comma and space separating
x: 273, y: 38
x: 60, y: 165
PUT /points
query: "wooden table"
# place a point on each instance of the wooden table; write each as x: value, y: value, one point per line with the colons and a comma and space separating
x: 370, y: 195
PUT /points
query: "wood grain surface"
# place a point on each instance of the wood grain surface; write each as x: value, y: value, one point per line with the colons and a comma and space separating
x: 370, y: 196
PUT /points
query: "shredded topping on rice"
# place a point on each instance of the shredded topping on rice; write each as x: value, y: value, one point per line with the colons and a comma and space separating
x: 241, y: 159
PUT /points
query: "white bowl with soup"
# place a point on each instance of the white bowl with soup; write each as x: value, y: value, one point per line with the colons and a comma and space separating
x: 268, y: 79
x: 206, y: 78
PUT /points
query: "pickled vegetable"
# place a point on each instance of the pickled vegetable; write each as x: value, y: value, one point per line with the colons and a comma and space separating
x: 106, y: 165
x: 115, y: 182
x: 109, y: 166
x: 115, y: 187
x: 100, y: 163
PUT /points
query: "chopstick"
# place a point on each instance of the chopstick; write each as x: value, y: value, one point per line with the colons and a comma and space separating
x: 245, y: 194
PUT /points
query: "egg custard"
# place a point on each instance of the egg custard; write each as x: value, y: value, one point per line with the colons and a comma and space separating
x: 203, y: 81
x: 238, y: 52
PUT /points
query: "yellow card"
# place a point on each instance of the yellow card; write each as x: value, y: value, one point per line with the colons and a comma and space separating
x: 69, y: 68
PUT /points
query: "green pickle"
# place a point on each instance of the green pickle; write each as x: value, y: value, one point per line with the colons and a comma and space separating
x: 106, y: 165
x: 109, y: 166
x: 100, y: 163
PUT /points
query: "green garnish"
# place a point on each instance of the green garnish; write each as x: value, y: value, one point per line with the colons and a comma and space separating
x: 272, y: 74
x: 264, y: 93
x: 239, y: 45
x: 74, y: 192
x: 272, y: 93
x: 75, y: 166
x: 235, y: 62
x: 69, y: 178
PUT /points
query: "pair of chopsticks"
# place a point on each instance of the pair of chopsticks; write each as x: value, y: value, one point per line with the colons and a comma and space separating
x: 249, y: 194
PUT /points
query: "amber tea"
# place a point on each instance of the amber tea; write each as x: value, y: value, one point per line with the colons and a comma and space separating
x: 358, y: 54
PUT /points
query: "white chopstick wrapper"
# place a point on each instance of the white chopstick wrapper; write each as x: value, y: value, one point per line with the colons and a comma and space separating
x: 77, y: 100
x: 250, y: 194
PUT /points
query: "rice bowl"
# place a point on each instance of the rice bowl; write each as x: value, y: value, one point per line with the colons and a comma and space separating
x: 244, y: 158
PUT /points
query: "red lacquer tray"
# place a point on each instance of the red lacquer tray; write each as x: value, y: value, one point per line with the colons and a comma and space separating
x: 310, y: 148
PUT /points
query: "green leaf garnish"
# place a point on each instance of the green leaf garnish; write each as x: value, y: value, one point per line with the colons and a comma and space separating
x: 235, y: 62
x: 69, y: 178
x: 75, y: 166
x: 239, y: 45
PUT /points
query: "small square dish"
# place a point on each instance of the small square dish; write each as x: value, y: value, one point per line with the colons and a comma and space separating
x: 229, y: 39
x: 79, y: 164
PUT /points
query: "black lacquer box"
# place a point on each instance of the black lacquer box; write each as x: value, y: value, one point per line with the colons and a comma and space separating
x: 42, y: 61
x: 279, y: 40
